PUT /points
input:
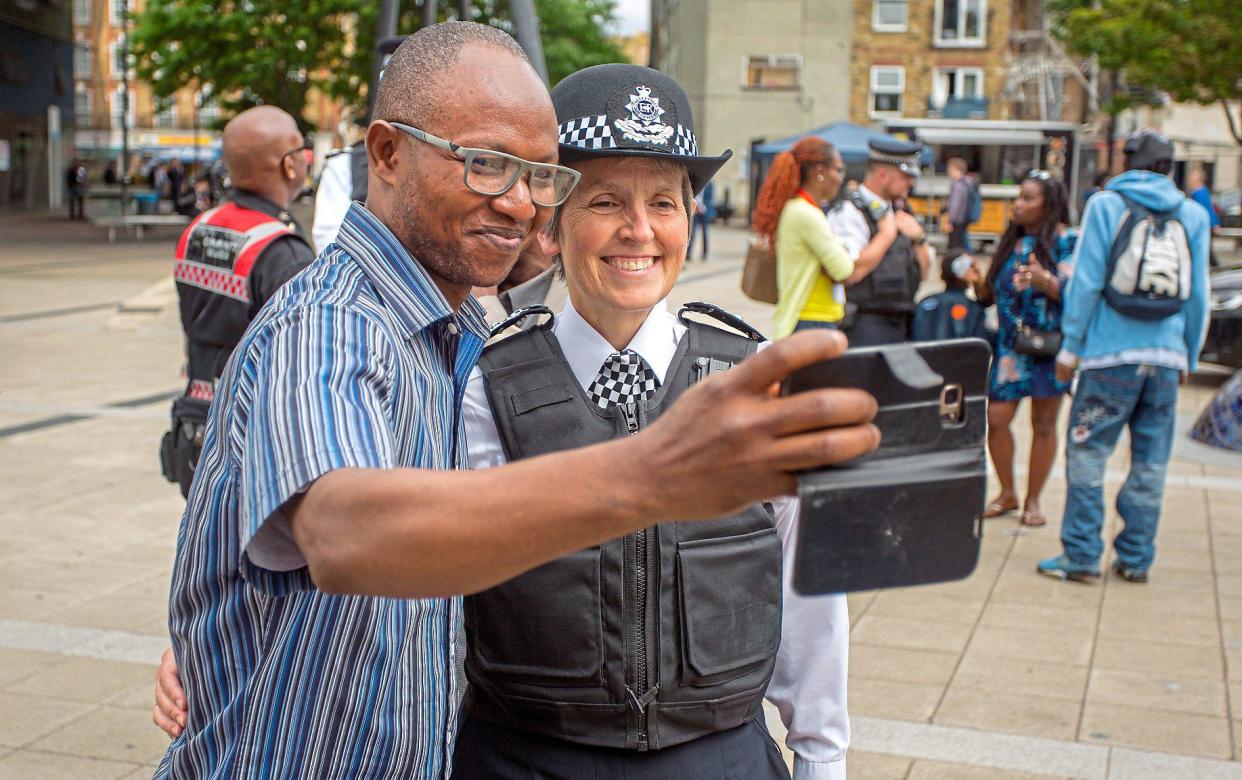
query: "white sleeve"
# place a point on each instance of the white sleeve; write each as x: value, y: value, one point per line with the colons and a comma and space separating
x: 851, y: 227
x: 808, y: 684
x: 483, y: 448
x: 332, y: 200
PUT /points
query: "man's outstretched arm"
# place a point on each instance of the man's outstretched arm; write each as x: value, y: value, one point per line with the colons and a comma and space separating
x: 728, y: 442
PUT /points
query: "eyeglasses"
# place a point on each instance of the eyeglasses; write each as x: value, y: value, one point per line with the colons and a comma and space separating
x: 492, y: 173
x: 1036, y: 173
x: 306, y: 146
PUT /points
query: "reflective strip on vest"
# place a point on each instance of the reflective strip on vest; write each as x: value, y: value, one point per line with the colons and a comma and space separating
x: 238, y: 248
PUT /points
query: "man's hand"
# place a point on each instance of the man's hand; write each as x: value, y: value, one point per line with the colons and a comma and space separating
x: 908, y: 225
x: 732, y: 440
x: 170, y: 708
x: 887, y: 226
x: 1067, y: 364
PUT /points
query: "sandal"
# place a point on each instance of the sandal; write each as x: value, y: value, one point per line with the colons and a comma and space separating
x: 996, y: 509
x: 1033, y: 518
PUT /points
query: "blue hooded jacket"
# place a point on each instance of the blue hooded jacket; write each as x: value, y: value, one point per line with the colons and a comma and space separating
x: 1093, y: 330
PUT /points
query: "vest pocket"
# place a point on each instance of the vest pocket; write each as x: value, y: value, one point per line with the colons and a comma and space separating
x: 730, y: 591
x: 544, y: 625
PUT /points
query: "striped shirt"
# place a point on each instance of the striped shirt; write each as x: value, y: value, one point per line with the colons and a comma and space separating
x: 357, y: 362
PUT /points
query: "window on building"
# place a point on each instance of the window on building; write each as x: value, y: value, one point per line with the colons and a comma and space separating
x: 117, y: 57
x: 773, y: 71
x: 960, y: 22
x: 888, y: 84
x: 82, y: 106
x: 960, y: 83
x: 118, y: 100
x: 82, y: 12
x: 208, y: 110
x: 83, y: 65
x: 889, y: 16
x: 166, y: 117
x: 117, y: 10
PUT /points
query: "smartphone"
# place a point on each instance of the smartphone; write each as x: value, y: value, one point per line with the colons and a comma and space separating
x: 910, y: 512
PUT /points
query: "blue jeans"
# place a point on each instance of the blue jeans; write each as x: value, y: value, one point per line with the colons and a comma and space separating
x: 1143, y: 398
x: 814, y: 324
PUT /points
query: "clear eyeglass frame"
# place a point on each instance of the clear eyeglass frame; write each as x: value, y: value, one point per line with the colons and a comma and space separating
x: 550, y: 185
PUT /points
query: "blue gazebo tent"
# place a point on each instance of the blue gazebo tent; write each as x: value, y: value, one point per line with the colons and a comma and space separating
x: 850, y: 141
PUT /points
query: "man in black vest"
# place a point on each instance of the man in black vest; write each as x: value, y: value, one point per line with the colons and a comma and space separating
x: 881, y: 241
x: 230, y: 261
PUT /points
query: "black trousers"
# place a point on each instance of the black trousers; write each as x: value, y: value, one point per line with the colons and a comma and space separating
x: 872, y: 330
x: 487, y: 751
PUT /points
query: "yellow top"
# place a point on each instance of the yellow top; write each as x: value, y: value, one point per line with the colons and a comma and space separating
x: 809, y: 259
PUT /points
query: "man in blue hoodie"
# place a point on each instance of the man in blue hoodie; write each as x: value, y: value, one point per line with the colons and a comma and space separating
x: 1130, y: 369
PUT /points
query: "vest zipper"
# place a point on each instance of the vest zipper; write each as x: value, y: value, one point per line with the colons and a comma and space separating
x: 641, y: 542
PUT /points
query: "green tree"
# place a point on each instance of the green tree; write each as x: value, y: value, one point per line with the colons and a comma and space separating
x: 265, y: 51
x: 1188, y: 49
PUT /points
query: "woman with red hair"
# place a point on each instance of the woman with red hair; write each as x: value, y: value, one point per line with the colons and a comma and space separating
x: 811, y: 263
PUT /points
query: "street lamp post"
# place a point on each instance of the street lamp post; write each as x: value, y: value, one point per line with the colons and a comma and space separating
x: 124, y: 172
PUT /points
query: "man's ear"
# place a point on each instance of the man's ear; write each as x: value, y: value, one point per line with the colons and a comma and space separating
x: 550, y: 245
x: 382, y: 145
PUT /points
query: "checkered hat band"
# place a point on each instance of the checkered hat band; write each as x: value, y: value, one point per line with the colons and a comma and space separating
x: 588, y: 132
x: 624, y: 378
x: 594, y: 132
x: 895, y: 159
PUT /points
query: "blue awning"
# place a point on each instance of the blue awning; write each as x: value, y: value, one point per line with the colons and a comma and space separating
x: 849, y: 139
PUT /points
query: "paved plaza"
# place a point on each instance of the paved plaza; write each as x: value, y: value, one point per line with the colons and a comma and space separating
x: 1003, y: 675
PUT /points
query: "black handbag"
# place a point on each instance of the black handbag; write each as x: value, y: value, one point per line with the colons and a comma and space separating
x: 912, y: 511
x: 1037, y: 343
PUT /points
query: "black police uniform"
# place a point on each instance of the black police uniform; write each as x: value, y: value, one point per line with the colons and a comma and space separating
x: 230, y: 261
x: 879, y: 308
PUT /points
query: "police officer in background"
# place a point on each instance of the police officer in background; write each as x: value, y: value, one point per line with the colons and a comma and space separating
x: 230, y: 261
x: 882, y: 242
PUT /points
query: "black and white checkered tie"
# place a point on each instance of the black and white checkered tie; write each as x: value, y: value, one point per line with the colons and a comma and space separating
x: 624, y: 377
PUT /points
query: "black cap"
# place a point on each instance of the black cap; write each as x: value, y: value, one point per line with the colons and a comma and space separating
x: 1146, y: 147
x: 894, y: 151
x: 620, y: 110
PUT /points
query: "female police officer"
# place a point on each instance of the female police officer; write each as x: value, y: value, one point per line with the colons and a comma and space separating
x: 648, y: 656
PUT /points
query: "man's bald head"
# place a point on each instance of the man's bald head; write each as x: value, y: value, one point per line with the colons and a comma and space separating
x: 254, y: 142
x: 418, y: 78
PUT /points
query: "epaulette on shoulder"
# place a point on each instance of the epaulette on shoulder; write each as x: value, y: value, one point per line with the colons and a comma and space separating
x: 519, y: 315
x: 720, y: 315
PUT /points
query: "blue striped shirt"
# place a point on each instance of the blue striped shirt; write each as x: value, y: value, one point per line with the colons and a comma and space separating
x: 357, y: 362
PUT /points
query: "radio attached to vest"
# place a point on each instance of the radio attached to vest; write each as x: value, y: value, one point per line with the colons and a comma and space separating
x: 644, y: 642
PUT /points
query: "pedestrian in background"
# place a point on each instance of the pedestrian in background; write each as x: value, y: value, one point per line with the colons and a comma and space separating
x: 959, y: 205
x: 811, y: 262
x: 1033, y: 261
x: 1097, y: 185
x: 881, y: 241
x: 1135, y: 315
x: 75, y: 184
x: 229, y: 262
x: 1197, y: 190
x: 951, y: 314
x: 704, y: 213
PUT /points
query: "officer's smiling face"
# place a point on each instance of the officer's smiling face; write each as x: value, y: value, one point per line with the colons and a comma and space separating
x: 622, y: 235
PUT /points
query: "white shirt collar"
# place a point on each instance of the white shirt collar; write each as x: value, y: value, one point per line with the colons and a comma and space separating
x: 586, y: 350
x: 869, y: 196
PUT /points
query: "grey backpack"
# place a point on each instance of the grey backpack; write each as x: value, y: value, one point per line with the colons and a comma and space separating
x: 1149, y: 264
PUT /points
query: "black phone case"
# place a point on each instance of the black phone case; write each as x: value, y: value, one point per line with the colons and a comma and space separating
x: 911, y: 512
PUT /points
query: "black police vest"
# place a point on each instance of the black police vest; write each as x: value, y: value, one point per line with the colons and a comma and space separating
x: 890, y: 288
x: 358, y: 172
x: 644, y: 642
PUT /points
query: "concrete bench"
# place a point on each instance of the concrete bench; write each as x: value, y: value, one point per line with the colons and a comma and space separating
x: 139, y: 221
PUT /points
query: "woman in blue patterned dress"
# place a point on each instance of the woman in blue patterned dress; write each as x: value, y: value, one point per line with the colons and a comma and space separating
x: 1032, y: 262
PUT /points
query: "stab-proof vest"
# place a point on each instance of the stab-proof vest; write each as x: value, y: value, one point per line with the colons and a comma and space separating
x: 890, y: 288
x: 644, y: 642
x: 213, y: 262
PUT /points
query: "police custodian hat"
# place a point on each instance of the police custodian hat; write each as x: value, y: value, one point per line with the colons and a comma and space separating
x: 621, y: 110
x: 894, y: 151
